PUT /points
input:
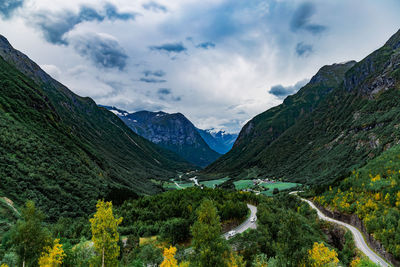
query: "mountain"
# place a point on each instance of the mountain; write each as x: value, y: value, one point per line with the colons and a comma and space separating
x: 347, y: 114
x: 171, y: 131
x: 376, y: 185
x: 65, y: 152
x: 220, y: 141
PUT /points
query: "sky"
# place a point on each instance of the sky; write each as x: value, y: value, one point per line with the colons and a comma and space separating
x: 219, y: 62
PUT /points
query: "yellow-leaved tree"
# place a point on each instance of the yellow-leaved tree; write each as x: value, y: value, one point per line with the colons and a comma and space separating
x: 105, y: 234
x: 236, y: 261
x: 169, y: 257
x: 4, y: 265
x: 52, y: 256
x: 320, y: 255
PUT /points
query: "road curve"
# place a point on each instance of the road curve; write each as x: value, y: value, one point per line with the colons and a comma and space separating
x: 246, y: 224
x: 358, y: 237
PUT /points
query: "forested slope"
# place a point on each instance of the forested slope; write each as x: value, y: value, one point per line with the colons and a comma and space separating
x: 64, y: 152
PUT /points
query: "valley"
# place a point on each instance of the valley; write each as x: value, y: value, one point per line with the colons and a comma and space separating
x: 313, y: 181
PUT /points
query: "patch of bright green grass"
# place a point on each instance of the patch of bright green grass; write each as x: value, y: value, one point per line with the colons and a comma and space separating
x: 212, y: 183
x: 243, y: 184
x: 280, y: 185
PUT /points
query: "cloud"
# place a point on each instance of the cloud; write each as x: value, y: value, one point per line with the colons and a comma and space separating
x: 155, y: 7
x: 152, y: 80
x: 304, y: 50
x: 164, y: 91
x: 156, y: 73
x: 206, y: 45
x: 170, y: 48
x: 281, y: 91
x: 255, y: 49
x: 103, y: 50
x: 166, y: 95
x: 55, y: 25
x: 301, y: 19
x: 7, y: 7
x: 113, y: 14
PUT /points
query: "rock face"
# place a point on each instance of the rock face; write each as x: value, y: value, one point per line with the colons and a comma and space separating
x: 171, y: 131
x: 346, y: 115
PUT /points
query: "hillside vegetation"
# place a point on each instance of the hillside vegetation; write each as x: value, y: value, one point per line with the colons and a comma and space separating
x: 64, y: 152
x: 338, y: 130
x: 182, y: 227
x: 373, y: 193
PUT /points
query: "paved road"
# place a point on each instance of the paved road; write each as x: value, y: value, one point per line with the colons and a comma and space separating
x: 358, y: 237
x: 247, y: 224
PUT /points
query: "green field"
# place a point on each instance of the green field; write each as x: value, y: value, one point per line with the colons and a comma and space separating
x: 280, y: 185
x: 239, y: 185
x: 183, y: 185
x: 212, y: 183
x: 180, y: 187
x: 243, y: 184
x: 246, y: 184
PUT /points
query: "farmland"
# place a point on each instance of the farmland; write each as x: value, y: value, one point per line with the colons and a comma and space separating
x: 265, y: 187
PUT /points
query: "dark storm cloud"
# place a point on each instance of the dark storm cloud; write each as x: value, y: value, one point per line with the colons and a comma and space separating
x: 303, y: 50
x: 152, y: 80
x: 301, y: 19
x: 103, y: 51
x: 7, y: 7
x: 155, y: 7
x: 156, y: 73
x: 283, y: 91
x: 55, y: 25
x: 206, y: 45
x: 170, y: 48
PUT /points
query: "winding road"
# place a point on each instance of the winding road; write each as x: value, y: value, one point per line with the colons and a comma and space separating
x: 246, y: 224
x: 358, y: 237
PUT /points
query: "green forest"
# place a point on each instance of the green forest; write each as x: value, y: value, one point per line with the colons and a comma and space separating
x: 184, y: 226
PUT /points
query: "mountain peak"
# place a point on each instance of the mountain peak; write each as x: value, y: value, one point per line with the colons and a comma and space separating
x: 171, y: 131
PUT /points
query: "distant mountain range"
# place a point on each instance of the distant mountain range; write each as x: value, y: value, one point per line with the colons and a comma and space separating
x: 176, y: 133
x: 346, y: 115
x: 219, y: 141
x: 65, y: 152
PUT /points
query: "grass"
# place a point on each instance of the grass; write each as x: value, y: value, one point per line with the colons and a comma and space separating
x: 279, y: 185
x: 183, y: 185
x: 180, y: 187
x: 212, y: 183
x: 247, y: 184
x: 239, y: 185
x: 243, y: 184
